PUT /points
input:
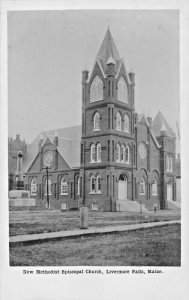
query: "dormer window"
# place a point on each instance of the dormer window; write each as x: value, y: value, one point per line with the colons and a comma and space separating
x: 96, y: 89
x: 122, y: 93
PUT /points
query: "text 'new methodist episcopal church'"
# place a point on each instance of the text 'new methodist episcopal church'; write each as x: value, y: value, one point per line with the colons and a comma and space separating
x: 117, y: 160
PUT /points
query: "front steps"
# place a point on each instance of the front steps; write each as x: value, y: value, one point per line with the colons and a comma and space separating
x: 130, y: 205
x: 173, y: 205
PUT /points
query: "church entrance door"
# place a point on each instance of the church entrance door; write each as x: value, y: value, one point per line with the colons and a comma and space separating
x: 169, y: 191
x: 122, y: 187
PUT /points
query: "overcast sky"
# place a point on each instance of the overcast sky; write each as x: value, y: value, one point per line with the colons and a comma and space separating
x: 47, y: 50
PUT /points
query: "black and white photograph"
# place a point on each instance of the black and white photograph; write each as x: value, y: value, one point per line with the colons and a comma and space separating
x: 94, y: 145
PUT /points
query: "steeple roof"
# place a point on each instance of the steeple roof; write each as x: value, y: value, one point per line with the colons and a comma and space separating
x: 160, y: 124
x: 108, y: 52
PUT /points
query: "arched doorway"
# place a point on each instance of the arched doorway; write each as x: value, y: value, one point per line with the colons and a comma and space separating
x: 169, y: 191
x: 122, y: 187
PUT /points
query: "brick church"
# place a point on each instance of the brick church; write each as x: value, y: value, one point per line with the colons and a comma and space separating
x: 117, y: 160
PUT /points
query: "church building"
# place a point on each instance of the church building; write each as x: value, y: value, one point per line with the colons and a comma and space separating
x: 117, y: 160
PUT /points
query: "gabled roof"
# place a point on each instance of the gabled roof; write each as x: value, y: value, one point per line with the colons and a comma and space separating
x: 143, y: 120
x: 108, y: 52
x: 68, y: 145
x: 159, y: 124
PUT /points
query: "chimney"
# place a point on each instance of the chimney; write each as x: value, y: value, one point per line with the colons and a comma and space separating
x: 56, y: 138
x: 40, y: 142
x: 132, y: 77
x: 149, y: 120
x: 85, y: 75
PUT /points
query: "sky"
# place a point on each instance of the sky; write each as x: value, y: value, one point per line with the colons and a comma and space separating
x: 47, y: 51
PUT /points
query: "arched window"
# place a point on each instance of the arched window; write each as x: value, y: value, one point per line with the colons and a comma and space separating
x: 118, y: 121
x: 122, y: 153
x: 98, y: 184
x: 97, y: 121
x: 142, y: 186
x: 154, y: 187
x: 96, y: 89
x: 122, y: 94
x: 92, y: 184
x: 33, y: 188
x: 78, y: 186
x: 49, y: 187
x: 127, y: 155
x: 126, y: 123
x: 118, y: 153
x: 99, y: 152
x: 93, y: 153
x: 64, y: 186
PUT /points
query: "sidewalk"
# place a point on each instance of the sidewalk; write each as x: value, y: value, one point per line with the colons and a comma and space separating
x: 81, y: 232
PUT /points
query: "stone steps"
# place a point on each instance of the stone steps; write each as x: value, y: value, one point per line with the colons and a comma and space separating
x: 129, y: 205
x: 174, y: 205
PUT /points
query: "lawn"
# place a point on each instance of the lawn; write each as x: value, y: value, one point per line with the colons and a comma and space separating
x: 28, y: 222
x: 159, y: 246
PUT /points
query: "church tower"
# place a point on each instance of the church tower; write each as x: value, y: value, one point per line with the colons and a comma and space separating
x: 108, y: 154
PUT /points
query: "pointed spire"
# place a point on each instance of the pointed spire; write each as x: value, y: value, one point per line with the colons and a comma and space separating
x: 163, y: 127
x: 108, y: 52
x: 160, y: 124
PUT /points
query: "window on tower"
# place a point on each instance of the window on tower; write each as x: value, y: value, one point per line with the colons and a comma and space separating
x: 99, y: 152
x: 127, y: 155
x: 126, y: 123
x: 154, y: 187
x: 96, y: 89
x: 118, y: 154
x: 93, y: 158
x: 118, y: 121
x: 122, y: 94
x: 96, y: 121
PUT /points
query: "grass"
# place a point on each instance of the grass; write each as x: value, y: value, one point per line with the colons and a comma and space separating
x: 159, y: 246
x: 26, y: 222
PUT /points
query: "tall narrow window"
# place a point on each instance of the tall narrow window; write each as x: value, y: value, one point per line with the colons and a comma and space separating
x: 113, y: 186
x: 78, y: 186
x: 49, y: 187
x: 98, y: 184
x: 126, y: 123
x: 93, y: 153
x: 96, y: 89
x: 33, y: 187
x: 154, y: 187
x: 107, y: 185
x: 142, y: 186
x: 122, y: 90
x: 92, y: 184
x: 109, y: 118
x: 113, y: 151
x: 99, y: 152
x: 112, y: 118
x: 96, y: 121
x: 122, y: 153
x: 127, y: 155
x: 64, y: 186
x: 118, y: 121
x: 108, y: 150
x: 134, y: 160
x: 117, y: 153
